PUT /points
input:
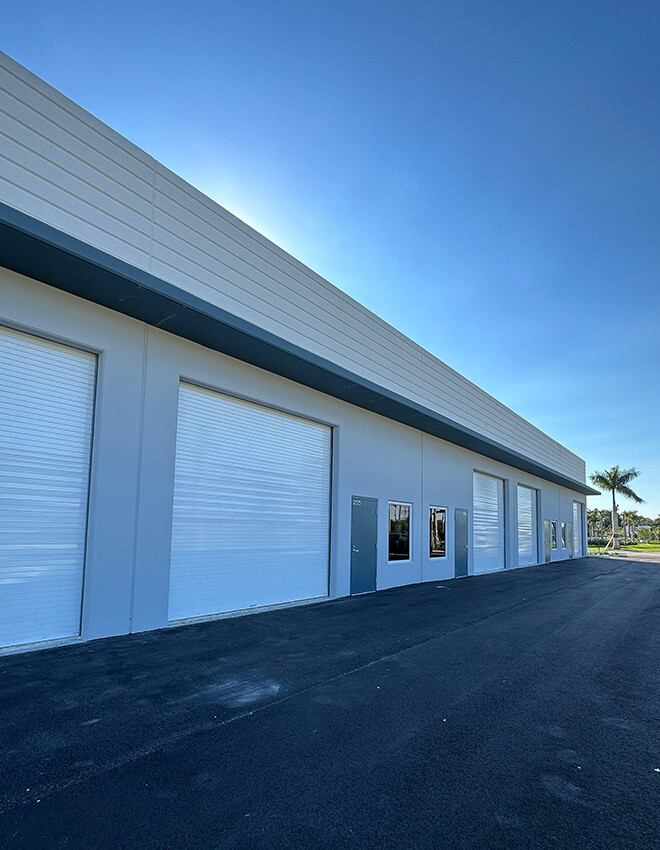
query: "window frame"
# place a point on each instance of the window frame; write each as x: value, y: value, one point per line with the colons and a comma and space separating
x: 446, y: 513
x: 408, y: 505
x: 563, y: 536
x: 553, y: 534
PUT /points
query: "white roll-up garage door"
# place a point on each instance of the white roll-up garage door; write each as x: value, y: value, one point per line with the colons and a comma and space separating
x: 577, y: 529
x: 251, y: 517
x: 488, y: 523
x: 46, y: 414
x: 527, y: 528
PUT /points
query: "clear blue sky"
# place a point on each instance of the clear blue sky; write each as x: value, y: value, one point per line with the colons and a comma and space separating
x: 483, y: 175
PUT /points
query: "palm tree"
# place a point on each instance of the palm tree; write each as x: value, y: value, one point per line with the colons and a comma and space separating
x: 616, y: 480
x: 635, y: 520
x: 655, y: 525
x: 627, y: 519
x: 593, y: 515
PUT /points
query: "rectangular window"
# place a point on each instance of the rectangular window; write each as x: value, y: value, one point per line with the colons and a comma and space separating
x: 563, y: 535
x: 438, y: 520
x: 554, y: 534
x: 399, y: 531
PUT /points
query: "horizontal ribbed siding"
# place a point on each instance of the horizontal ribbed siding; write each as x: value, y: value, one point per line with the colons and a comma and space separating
x: 63, y: 166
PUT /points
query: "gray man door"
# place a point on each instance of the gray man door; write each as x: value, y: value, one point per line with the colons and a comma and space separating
x: 546, y: 534
x: 460, y: 542
x: 364, y: 531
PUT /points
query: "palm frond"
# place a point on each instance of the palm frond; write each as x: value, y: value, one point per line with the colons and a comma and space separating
x: 629, y: 494
x: 601, y: 480
x: 617, y: 480
x: 626, y: 476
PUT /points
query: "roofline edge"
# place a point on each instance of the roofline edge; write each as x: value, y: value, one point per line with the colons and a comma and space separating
x: 40, y: 251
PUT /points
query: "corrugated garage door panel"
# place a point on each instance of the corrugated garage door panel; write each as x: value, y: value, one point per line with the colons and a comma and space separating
x: 488, y: 523
x: 527, y: 526
x: 46, y: 415
x: 251, y: 506
x: 577, y: 529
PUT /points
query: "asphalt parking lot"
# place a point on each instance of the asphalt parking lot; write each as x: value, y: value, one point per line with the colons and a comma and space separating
x: 513, y: 710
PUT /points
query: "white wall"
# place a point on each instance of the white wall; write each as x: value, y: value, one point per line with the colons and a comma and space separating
x: 62, y: 166
x: 127, y: 571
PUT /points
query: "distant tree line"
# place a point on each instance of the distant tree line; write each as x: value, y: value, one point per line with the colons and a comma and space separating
x: 635, y: 527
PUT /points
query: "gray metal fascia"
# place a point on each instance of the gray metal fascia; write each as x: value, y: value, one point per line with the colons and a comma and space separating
x: 37, y: 250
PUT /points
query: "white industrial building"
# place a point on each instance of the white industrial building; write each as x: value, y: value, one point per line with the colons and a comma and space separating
x: 194, y: 423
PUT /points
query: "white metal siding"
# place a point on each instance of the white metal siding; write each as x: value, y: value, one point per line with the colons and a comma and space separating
x: 527, y: 526
x: 488, y: 523
x: 251, y: 506
x: 577, y: 529
x: 63, y: 166
x: 46, y: 414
